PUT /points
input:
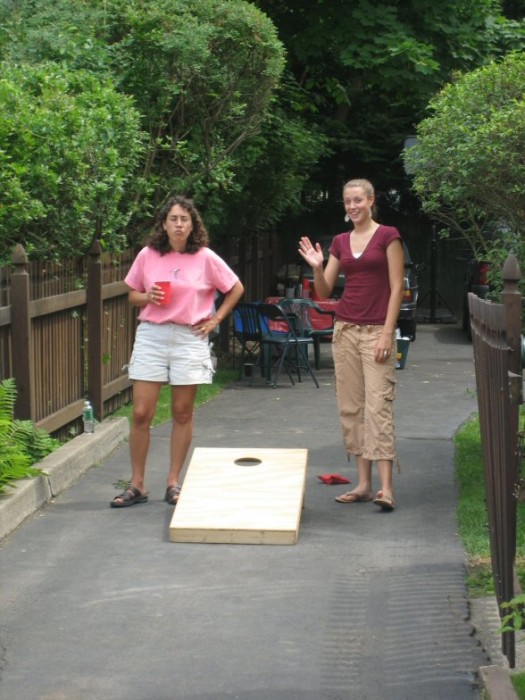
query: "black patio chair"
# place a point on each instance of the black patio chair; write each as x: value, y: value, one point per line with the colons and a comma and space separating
x: 247, y: 330
x: 284, y: 333
x: 302, y: 308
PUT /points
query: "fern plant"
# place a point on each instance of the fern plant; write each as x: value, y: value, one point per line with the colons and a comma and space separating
x: 21, y: 443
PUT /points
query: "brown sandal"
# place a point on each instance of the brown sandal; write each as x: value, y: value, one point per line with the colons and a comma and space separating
x: 128, y: 498
x: 172, y: 494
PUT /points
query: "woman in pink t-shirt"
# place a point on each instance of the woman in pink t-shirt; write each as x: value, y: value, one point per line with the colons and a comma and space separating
x: 174, y: 281
x: 371, y: 257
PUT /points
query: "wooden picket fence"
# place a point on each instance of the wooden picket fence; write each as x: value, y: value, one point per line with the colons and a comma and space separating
x: 67, y: 329
x: 66, y: 333
x: 497, y: 344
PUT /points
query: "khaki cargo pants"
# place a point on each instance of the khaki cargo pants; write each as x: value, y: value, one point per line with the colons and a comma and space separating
x: 365, y: 391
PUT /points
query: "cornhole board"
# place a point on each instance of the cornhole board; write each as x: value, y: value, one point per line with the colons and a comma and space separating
x: 241, y: 496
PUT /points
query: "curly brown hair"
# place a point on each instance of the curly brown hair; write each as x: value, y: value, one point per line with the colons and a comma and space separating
x: 198, y: 238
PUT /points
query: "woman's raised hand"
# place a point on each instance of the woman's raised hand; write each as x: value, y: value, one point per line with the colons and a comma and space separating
x: 312, y: 255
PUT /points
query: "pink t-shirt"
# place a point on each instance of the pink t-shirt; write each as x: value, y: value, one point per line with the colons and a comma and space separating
x: 367, y: 287
x: 195, y: 278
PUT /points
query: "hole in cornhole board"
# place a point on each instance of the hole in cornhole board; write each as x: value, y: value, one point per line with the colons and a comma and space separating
x: 247, y: 461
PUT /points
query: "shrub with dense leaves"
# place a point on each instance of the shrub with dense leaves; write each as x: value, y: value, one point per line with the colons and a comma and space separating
x: 469, y: 160
x: 202, y: 75
x: 70, y: 146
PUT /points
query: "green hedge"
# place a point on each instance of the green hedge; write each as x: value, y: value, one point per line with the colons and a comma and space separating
x: 70, y: 145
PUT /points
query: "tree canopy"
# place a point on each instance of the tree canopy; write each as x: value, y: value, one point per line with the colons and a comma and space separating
x: 259, y: 110
x: 369, y: 69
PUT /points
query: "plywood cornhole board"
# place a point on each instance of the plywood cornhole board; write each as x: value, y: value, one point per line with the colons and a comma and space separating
x: 241, y: 496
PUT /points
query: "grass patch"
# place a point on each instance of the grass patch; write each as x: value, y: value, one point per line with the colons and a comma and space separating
x: 472, y: 513
x: 518, y: 681
x: 222, y: 378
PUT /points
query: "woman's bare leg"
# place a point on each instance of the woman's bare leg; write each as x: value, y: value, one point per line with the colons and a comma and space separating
x: 363, y: 490
x: 145, y: 397
x: 384, y: 468
x: 182, y: 407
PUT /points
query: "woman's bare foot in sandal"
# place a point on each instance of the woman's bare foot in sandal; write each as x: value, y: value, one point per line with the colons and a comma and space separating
x: 385, y: 502
x: 172, y: 494
x: 354, y: 497
x: 129, y: 497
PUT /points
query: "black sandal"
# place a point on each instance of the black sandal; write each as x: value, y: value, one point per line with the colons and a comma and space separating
x: 172, y: 494
x: 128, y: 498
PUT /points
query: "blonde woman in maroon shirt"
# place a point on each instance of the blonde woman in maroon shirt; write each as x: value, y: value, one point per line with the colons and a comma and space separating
x: 371, y: 258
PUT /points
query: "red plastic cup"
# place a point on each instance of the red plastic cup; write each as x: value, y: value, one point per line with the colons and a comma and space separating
x: 166, y: 288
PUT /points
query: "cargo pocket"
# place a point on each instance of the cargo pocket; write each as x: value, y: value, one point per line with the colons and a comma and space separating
x: 208, y: 367
x: 389, y: 391
x: 129, y: 366
x: 338, y: 330
x: 213, y: 358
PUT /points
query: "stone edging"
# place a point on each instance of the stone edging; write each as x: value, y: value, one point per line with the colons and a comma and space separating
x: 496, y: 683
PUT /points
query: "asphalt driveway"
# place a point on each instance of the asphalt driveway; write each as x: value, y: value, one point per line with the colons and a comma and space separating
x: 96, y: 603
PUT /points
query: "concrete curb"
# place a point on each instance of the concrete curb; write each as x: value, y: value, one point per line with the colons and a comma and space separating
x: 495, y: 677
x: 496, y: 683
x: 63, y: 467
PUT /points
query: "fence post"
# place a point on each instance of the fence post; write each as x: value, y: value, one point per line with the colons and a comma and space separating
x: 22, y: 346
x: 94, y: 330
x: 511, y: 299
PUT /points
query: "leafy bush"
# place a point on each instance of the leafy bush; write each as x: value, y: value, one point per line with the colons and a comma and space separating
x: 468, y: 159
x: 69, y: 151
x: 21, y: 444
x: 202, y: 75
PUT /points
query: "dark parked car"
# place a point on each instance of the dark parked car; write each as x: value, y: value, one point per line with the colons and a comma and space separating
x: 407, y: 314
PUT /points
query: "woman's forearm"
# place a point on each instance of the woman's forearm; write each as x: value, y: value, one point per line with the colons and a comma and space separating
x: 136, y: 298
x: 322, y: 288
x: 229, y: 302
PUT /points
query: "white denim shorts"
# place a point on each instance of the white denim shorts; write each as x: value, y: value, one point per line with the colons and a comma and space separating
x: 172, y: 354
